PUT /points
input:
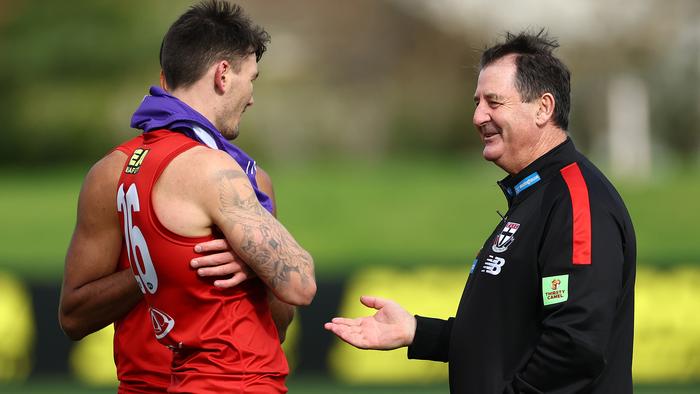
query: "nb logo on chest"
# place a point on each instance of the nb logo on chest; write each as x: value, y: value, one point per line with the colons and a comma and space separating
x: 493, y: 265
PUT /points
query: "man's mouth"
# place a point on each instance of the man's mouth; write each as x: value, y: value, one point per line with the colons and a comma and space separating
x: 488, y: 133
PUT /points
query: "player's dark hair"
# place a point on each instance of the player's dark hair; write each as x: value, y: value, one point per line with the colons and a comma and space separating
x: 210, y: 31
x: 538, y: 71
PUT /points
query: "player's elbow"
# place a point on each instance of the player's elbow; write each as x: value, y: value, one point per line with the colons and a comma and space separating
x: 308, y: 294
x: 296, y: 284
x: 71, y: 327
x: 309, y: 290
x: 301, y: 296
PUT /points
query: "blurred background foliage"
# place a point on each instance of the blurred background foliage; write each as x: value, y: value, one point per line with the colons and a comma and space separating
x: 363, y: 78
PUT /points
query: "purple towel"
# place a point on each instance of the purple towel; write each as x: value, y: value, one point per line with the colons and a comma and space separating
x: 160, y: 110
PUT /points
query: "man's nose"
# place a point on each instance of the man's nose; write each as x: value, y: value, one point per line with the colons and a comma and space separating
x: 481, y: 115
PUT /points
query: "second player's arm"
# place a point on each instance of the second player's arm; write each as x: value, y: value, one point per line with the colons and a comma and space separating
x: 93, y: 295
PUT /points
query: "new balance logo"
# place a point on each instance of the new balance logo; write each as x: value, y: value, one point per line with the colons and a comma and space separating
x: 493, y: 265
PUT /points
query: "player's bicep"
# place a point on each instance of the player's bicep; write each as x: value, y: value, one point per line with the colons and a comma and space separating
x: 96, y: 242
x: 92, y: 254
x: 235, y: 209
x: 257, y: 237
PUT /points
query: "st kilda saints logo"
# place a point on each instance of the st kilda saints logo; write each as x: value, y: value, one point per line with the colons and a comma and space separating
x: 505, y: 237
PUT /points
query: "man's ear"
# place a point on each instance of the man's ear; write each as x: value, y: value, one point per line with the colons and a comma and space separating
x: 545, y: 110
x: 163, y: 82
x: 222, y: 76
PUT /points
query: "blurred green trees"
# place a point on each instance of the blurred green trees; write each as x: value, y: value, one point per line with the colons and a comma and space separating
x: 363, y: 78
x: 63, y: 69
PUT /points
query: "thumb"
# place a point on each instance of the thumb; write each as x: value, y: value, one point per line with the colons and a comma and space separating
x: 373, y: 302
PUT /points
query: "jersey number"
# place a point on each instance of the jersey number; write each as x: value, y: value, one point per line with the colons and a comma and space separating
x: 137, y: 250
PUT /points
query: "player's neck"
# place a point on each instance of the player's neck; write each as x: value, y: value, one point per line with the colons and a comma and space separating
x: 199, y: 99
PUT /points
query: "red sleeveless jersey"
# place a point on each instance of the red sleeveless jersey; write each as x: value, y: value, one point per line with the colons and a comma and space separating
x: 222, y: 340
x: 143, y: 364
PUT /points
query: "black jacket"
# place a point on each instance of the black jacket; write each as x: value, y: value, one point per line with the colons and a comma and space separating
x: 549, y: 304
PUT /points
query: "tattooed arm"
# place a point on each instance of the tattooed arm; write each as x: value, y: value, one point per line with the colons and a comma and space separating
x: 254, y: 234
x: 282, y: 313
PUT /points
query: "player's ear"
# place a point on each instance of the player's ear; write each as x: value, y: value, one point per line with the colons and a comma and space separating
x: 222, y: 76
x: 163, y: 82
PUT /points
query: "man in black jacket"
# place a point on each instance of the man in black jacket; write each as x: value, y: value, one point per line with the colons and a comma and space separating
x: 549, y: 303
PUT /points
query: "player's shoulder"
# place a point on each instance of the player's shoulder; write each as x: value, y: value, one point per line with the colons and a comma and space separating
x: 201, y: 166
x: 107, y: 169
x: 206, y: 159
x: 199, y: 174
x: 102, y: 178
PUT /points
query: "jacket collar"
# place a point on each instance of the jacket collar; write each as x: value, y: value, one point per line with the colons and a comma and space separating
x: 518, y: 186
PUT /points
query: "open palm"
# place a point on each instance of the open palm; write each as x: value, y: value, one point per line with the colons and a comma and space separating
x: 390, y: 328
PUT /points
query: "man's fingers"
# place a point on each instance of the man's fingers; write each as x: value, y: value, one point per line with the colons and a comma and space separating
x: 340, y: 330
x: 345, y: 321
x: 211, y: 246
x: 221, y: 270
x: 351, y: 335
x: 214, y: 260
x: 233, y: 281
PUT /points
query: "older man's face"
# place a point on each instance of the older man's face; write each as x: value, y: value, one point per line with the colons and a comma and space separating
x: 505, y: 124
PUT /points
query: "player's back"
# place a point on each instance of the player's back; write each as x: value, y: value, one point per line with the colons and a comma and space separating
x: 223, y: 340
x: 143, y: 365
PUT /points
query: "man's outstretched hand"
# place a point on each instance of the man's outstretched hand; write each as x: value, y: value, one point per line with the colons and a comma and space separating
x: 390, y: 328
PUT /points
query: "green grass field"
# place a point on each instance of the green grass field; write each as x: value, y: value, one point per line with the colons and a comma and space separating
x: 351, y: 214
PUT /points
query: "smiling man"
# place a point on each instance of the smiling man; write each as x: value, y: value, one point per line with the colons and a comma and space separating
x: 549, y: 303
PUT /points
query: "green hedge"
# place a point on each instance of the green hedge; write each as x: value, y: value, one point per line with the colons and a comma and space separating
x: 355, y: 213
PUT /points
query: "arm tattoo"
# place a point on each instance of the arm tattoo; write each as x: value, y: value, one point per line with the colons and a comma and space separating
x: 265, y: 244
